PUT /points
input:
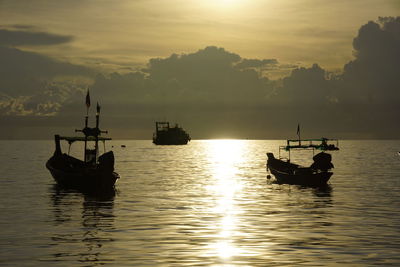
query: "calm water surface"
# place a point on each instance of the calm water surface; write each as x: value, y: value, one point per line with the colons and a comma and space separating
x: 205, y: 204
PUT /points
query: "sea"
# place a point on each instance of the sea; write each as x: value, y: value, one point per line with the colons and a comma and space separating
x: 208, y: 203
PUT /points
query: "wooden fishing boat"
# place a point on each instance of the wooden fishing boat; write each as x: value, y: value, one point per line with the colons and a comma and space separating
x: 166, y: 135
x: 318, y: 174
x: 94, y: 172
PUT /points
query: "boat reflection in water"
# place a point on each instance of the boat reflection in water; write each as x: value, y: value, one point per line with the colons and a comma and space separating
x: 90, y: 242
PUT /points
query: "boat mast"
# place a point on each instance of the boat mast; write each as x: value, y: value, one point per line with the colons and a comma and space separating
x: 298, y: 133
x: 86, y: 121
x: 96, y: 145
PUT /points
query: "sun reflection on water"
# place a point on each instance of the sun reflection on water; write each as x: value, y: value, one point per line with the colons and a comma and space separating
x: 225, y: 157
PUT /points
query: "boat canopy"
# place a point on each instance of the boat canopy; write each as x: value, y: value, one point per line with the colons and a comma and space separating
x: 71, y: 139
x: 319, y: 143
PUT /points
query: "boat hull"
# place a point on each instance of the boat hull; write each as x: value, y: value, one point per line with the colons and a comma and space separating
x: 315, y: 179
x: 288, y: 173
x: 72, y: 173
x: 170, y: 141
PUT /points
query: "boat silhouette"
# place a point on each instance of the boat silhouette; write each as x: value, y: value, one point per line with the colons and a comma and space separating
x: 166, y: 135
x: 94, y: 172
x: 318, y: 174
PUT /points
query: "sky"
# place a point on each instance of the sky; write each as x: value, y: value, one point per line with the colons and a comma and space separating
x: 221, y: 68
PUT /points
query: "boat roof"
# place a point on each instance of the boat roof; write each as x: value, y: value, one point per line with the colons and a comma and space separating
x: 71, y: 139
x: 322, y: 139
x: 318, y: 143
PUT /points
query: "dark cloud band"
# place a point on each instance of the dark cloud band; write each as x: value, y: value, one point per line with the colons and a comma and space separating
x: 31, y: 38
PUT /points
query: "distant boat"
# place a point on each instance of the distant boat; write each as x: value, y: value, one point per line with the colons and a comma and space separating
x: 94, y: 172
x: 318, y: 174
x: 166, y: 135
x: 123, y: 146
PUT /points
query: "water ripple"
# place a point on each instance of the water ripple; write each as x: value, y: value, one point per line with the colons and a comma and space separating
x: 205, y: 204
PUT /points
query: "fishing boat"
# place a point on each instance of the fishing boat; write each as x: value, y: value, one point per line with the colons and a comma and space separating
x: 94, y: 172
x: 166, y: 135
x: 317, y: 174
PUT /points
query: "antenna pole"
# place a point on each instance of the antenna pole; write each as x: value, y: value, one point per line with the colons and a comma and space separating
x: 86, y: 121
x: 97, y: 131
x: 86, y: 125
x: 298, y: 133
x: 299, y: 137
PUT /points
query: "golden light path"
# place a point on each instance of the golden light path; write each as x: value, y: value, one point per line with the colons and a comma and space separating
x: 225, y: 156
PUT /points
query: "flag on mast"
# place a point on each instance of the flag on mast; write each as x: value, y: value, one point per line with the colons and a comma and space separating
x: 87, y: 99
x: 298, y: 131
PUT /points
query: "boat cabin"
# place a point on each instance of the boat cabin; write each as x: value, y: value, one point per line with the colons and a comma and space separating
x: 166, y: 135
x: 91, y: 155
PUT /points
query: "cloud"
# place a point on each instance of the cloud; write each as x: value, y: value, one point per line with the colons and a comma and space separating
x: 30, y: 81
x: 217, y: 93
x: 24, y: 72
x: 363, y: 99
x: 13, y: 106
x: 305, y: 87
x: 208, y: 76
x: 373, y: 76
x: 205, y: 79
x: 20, y: 27
x: 368, y: 91
x: 25, y: 37
x: 200, y: 90
x: 256, y: 63
x: 47, y: 101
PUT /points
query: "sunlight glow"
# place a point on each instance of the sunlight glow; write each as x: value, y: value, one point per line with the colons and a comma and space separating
x: 223, y: 4
x: 225, y: 250
x: 225, y: 157
x: 227, y: 2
